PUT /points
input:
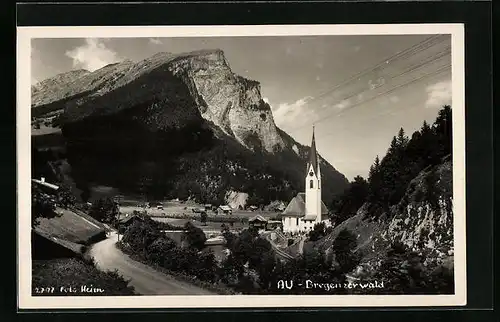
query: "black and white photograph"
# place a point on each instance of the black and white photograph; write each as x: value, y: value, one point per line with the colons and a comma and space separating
x: 245, y: 166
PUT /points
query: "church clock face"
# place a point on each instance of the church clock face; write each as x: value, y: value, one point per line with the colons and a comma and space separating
x: 311, y: 173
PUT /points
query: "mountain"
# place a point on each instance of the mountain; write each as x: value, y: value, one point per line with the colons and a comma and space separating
x: 175, y: 125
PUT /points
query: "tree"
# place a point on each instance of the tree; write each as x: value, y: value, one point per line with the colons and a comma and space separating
x: 140, y: 235
x: 65, y: 197
x: 42, y: 205
x: 205, y: 267
x: 343, y: 247
x: 194, y: 236
x: 351, y: 200
x: 203, y: 217
x: 375, y: 182
x: 105, y: 210
x: 317, y: 232
x: 266, y: 270
x: 443, y: 129
x: 228, y: 236
x: 158, y: 250
x: 259, y: 247
x: 85, y: 195
x: 402, y: 139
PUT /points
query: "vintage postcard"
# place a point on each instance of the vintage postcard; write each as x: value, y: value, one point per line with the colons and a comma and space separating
x: 241, y: 166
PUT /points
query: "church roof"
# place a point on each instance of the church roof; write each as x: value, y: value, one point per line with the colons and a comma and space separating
x: 297, y: 207
x: 313, y: 157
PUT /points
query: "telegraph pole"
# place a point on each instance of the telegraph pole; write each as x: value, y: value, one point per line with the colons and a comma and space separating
x: 117, y: 201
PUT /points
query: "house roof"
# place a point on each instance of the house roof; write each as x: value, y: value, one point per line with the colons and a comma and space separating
x: 297, y: 207
x: 74, y: 247
x: 309, y: 217
x: 225, y: 207
x: 257, y: 218
x: 127, y: 218
x: 45, y: 184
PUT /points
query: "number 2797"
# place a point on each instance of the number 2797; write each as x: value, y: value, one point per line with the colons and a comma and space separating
x: 40, y: 290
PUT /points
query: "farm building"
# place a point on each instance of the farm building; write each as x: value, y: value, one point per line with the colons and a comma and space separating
x: 226, y: 210
x: 126, y: 221
x: 273, y: 224
x: 45, y: 186
x: 258, y: 222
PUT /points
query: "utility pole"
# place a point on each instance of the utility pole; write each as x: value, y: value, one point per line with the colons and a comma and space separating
x: 117, y: 201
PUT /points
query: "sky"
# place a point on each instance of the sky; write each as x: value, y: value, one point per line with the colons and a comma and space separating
x: 357, y: 91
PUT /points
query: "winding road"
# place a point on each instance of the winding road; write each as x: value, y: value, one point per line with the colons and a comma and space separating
x: 145, y: 279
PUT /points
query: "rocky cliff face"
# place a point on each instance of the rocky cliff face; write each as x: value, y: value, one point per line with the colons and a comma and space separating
x: 167, y: 118
x: 231, y: 102
x: 422, y: 225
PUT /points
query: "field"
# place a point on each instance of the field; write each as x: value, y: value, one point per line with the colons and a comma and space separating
x: 179, y: 208
x: 70, y: 226
x: 208, y: 226
x: 178, y: 213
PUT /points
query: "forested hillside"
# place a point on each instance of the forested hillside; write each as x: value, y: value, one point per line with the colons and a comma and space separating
x: 389, y: 177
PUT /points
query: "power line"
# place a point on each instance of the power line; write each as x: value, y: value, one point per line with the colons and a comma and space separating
x: 413, y: 68
x: 411, y: 51
x: 436, y: 72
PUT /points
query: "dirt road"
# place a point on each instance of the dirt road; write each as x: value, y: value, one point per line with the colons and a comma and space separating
x: 145, y: 279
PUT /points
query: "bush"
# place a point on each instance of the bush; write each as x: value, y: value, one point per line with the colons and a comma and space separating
x: 403, y: 272
x: 318, y: 232
x: 194, y: 236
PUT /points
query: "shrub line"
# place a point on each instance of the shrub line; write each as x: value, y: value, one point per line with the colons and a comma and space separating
x: 217, y: 288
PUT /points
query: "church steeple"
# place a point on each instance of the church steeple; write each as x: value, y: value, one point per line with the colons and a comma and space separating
x: 313, y: 158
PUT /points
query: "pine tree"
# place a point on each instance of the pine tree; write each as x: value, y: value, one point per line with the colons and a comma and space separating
x: 374, y: 183
x: 393, y: 147
x: 402, y: 139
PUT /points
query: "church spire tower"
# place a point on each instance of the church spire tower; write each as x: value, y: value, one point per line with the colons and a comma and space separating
x: 313, y: 184
x: 313, y: 158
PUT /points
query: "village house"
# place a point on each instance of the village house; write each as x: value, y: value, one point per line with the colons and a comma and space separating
x: 258, y: 222
x: 306, y: 209
x: 274, y: 224
x: 226, y: 210
x: 47, y: 188
x: 125, y: 221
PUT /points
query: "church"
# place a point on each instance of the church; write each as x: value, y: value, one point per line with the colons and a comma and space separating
x: 306, y: 209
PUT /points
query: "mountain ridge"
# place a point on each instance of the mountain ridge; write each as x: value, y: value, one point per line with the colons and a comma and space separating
x: 166, y: 105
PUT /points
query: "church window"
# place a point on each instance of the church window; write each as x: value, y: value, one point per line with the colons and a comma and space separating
x: 297, y: 221
x: 311, y: 184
